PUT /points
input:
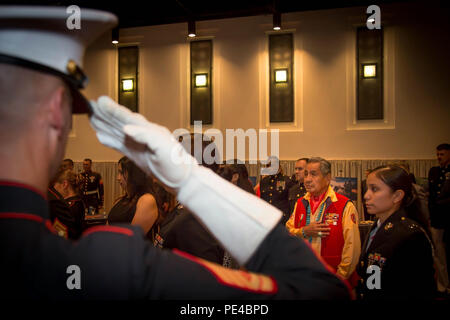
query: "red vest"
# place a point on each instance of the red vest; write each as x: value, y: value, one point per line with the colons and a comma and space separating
x: 332, y: 245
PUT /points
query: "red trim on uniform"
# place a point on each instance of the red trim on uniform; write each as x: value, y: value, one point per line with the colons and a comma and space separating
x: 198, y: 261
x: 49, y: 226
x: 23, y: 216
x: 112, y: 229
x: 24, y: 186
x: 27, y: 216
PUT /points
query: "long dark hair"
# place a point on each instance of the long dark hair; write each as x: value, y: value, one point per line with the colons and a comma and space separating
x: 243, y: 181
x: 138, y: 183
x: 397, y: 178
x: 229, y: 170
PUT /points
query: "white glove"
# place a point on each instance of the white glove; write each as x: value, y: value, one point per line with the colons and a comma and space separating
x: 152, y: 147
x: 239, y: 220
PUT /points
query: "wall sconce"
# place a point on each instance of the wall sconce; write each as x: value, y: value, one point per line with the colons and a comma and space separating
x: 281, y: 75
x: 201, y: 80
x: 277, y: 21
x: 369, y: 71
x: 191, y: 29
x: 115, y: 36
x: 127, y: 85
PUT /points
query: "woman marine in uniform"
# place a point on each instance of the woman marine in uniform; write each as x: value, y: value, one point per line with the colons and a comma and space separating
x: 397, y: 256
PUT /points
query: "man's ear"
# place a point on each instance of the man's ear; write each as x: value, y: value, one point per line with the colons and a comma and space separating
x: 56, y: 109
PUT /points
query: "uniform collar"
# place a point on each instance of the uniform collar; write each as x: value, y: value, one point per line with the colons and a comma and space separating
x: 21, y: 198
x: 393, y: 218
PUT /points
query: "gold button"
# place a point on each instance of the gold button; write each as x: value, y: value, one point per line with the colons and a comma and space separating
x: 270, y: 201
x: 403, y: 218
x: 271, y: 188
x: 71, y: 67
x: 270, y: 194
x: 271, y: 180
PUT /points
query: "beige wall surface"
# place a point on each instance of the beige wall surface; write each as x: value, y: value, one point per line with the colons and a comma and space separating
x: 416, y: 82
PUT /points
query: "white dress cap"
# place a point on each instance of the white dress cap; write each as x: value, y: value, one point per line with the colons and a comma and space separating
x: 52, y: 40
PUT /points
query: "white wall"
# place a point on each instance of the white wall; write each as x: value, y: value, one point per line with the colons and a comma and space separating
x: 419, y: 91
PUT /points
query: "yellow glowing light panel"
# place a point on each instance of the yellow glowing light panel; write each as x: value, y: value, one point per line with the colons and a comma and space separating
x: 200, y: 80
x: 281, y: 76
x: 127, y: 85
x: 370, y: 71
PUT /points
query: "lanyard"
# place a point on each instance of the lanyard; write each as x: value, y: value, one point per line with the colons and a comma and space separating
x: 318, y: 218
x: 372, y: 235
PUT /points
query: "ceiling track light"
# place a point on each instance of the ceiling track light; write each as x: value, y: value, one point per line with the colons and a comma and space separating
x: 277, y: 21
x: 191, y: 28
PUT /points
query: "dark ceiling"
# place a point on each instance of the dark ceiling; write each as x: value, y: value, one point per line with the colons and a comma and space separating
x: 134, y: 13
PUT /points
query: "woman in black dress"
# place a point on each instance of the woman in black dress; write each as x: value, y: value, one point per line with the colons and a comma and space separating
x: 397, y: 256
x: 138, y: 206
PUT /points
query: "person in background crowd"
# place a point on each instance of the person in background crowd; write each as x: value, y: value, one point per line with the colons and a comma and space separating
x: 397, y: 257
x: 139, y: 205
x: 66, y: 184
x: 167, y: 200
x: 439, y: 207
x: 240, y: 176
x: 274, y: 189
x: 327, y: 220
x: 67, y: 164
x: 298, y: 189
x: 59, y: 212
x: 91, y: 187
